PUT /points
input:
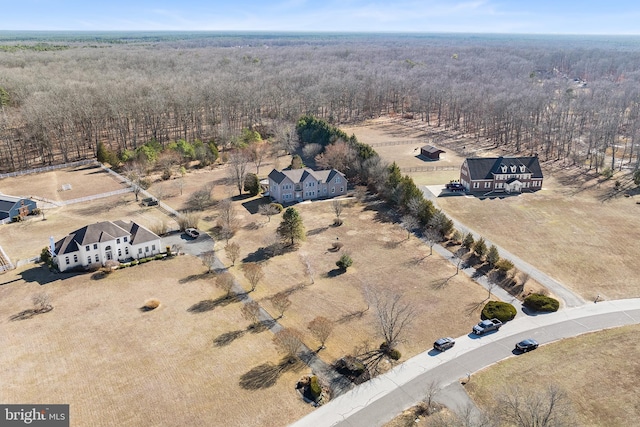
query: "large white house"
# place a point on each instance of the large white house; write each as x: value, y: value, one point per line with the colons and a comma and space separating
x: 296, y: 185
x: 95, y: 244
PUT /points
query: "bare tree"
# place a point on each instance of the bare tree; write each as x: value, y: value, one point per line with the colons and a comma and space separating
x: 232, y: 249
x: 528, y: 408
x: 458, y: 257
x: 281, y: 303
x: 238, y: 161
x: 433, y: 388
x: 309, y: 271
x: 253, y: 272
x: 268, y: 210
x: 201, y: 199
x: 251, y: 312
x: 432, y: 236
x: 393, y: 317
x: 289, y: 341
x: 336, y: 205
x: 410, y: 223
x: 227, y: 218
x: 321, y: 329
x: 208, y: 259
x: 41, y: 302
x: 225, y: 282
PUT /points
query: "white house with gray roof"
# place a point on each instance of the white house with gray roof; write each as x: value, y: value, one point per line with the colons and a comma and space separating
x: 95, y: 244
x: 296, y: 185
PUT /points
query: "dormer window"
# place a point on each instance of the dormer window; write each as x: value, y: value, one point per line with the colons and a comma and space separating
x: 523, y: 169
x: 513, y: 168
x: 503, y: 168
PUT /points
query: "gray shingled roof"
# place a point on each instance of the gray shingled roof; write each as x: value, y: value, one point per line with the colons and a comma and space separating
x: 431, y: 149
x: 101, y: 232
x: 8, y: 202
x: 299, y: 175
x: 486, y: 167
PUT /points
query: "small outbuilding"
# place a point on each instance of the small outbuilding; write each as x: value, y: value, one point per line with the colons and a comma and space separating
x: 431, y: 152
x: 12, y: 207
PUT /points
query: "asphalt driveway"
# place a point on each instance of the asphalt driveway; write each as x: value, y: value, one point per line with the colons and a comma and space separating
x: 189, y: 245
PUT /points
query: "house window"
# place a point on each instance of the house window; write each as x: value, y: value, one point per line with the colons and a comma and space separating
x: 476, y: 185
x: 95, y: 246
x: 119, y: 252
x: 75, y: 258
x: 139, y: 250
x: 125, y: 239
x: 487, y: 185
x: 337, y: 180
x: 333, y: 190
x: 146, y: 249
x: 66, y: 260
x: 126, y: 251
x: 117, y: 240
x: 86, y: 248
x: 97, y: 259
x: 89, y: 260
x: 342, y: 189
x: 153, y: 247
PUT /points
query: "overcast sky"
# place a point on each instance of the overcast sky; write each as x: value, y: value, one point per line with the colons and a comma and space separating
x: 468, y: 16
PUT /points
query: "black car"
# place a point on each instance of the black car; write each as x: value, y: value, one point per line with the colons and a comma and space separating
x: 444, y: 344
x: 527, y: 345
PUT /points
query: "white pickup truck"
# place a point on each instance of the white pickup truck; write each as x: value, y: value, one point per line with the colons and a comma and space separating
x: 487, y: 326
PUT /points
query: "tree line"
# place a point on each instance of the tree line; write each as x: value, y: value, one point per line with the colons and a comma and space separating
x: 563, y: 98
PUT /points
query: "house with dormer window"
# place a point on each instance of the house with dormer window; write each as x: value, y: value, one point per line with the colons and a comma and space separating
x: 95, y: 244
x: 297, y: 185
x: 488, y: 175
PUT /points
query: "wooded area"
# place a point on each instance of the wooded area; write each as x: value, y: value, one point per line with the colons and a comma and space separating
x: 565, y: 98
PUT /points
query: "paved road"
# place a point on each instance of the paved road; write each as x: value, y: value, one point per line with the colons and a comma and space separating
x: 379, y: 400
x: 568, y: 297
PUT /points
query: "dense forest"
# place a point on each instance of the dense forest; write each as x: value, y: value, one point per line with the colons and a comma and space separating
x: 566, y: 98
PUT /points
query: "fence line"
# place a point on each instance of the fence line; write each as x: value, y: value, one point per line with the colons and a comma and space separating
x: 47, y: 168
x: 96, y: 196
x: 5, y: 265
x: 429, y: 168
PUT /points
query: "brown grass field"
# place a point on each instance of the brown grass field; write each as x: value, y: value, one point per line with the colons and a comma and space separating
x: 116, y: 364
x: 599, y: 397
x: 576, y: 229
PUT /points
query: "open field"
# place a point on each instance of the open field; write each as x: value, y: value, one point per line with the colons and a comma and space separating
x: 575, y: 229
x: 599, y: 397
x: 166, y: 362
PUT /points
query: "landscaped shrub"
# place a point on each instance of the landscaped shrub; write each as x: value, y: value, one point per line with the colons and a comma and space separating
x: 278, y: 206
x: 541, y: 302
x: 394, y: 353
x: 158, y: 256
x: 344, y: 262
x: 135, y: 262
x: 315, y: 388
x: 499, y: 310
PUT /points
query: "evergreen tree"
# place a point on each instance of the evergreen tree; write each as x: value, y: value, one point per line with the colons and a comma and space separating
x: 291, y: 227
x: 493, y: 256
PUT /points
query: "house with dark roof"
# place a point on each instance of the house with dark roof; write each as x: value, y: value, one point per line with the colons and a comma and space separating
x: 95, y: 244
x: 431, y: 152
x: 11, y: 207
x: 296, y: 185
x: 489, y: 175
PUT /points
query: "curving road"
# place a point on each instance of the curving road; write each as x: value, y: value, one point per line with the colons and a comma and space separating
x: 379, y: 400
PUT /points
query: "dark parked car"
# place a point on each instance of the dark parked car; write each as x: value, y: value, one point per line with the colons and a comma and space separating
x: 150, y: 201
x: 527, y: 345
x: 192, y: 232
x: 444, y: 344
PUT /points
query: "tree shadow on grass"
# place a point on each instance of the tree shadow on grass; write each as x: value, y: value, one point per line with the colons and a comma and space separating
x: 193, y: 277
x: 316, y: 231
x: 474, y: 307
x: 336, y: 272
x: 228, y: 337
x: 29, y: 313
x: 262, y: 326
x: 210, y: 304
x: 351, y: 316
x: 266, y: 375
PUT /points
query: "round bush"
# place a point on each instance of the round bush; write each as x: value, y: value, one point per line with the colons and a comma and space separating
x: 395, y: 354
x: 499, y: 310
x: 314, y: 387
x: 539, y: 302
x: 278, y: 207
